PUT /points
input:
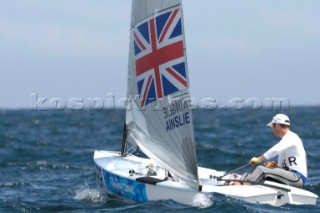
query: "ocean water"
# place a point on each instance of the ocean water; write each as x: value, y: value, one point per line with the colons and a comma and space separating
x: 46, y: 158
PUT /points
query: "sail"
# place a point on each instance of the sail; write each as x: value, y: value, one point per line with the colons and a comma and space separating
x: 159, y: 117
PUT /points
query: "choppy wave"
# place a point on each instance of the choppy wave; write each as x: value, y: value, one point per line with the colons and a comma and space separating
x: 46, y: 159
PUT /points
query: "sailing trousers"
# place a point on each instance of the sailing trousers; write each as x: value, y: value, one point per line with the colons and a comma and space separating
x: 262, y: 173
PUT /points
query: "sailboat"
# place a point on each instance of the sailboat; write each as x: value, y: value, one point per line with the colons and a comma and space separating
x: 159, y: 124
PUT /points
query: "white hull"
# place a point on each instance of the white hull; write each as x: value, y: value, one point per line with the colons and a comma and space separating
x: 114, y: 177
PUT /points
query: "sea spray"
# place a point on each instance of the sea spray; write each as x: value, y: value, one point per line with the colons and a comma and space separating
x: 202, y: 200
x: 85, y: 193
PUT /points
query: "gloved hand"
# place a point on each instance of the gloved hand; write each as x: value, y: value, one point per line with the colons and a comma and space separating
x: 271, y: 164
x: 255, y: 160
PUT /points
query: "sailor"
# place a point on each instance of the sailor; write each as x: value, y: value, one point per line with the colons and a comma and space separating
x: 291, y: 168
x: 151, y: 171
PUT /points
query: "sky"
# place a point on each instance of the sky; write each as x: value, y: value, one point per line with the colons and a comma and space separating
x: 67, y: 49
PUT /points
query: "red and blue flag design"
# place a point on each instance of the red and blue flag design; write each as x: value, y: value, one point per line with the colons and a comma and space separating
x: 159, y: 56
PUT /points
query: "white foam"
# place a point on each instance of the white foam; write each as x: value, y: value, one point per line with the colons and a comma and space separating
x: 84, y: 193
x: 202, y: 200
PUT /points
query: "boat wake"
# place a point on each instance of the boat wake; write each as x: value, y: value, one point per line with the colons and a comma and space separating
x: 87, y: 194
x: 202, y: 200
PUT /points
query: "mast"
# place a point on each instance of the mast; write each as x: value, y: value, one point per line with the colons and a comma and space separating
x: 124, y: 144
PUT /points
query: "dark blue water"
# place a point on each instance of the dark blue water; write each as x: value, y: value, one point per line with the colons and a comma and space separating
x: 46, y: 157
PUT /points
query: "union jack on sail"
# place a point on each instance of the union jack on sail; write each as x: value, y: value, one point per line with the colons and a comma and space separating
x: 159, y: 56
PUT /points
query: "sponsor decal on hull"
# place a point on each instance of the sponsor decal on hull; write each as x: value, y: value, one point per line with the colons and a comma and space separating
x: 123, y: 187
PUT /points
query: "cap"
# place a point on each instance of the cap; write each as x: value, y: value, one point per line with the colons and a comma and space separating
x: 280, y: 119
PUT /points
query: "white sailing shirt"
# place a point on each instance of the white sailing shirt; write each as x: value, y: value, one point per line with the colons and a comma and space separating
x: 291, y: 153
